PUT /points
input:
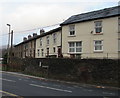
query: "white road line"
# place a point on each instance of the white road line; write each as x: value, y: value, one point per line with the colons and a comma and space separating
x: 87, y: 90
x: 90, y: 90
x: 34, y: 81
x: 108, y: 93
x: 78, y: 87
x: 44, y: 83
x: 56, y: 85
x: 26, y: 80
x: 51, y: 88
x: 7, y: 80
x: 23, y: 75
x: 70, y: 87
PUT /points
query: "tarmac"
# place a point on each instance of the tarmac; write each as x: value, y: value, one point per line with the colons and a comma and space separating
x: 70, y: 83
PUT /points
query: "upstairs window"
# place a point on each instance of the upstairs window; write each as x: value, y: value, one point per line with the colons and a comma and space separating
x: 72, y: 30
x: 47, y: 39
x: 98, y: 27
x: 54, y: 38
x: 119, y: 21
x: 40, y: 41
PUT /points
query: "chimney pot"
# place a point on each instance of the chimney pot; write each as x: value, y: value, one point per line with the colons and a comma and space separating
x: 42, y: 31
x: 34, y: 34
x: 24, y: 39
x: 29, y: 36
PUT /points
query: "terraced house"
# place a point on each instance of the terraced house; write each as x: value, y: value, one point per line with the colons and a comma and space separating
x: 49, y: 44
x: 94, y: 34
x: 26, y: 48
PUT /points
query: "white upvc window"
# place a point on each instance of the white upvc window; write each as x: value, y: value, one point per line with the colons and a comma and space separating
x: 75, y: 47
x: 98, y: 27
x: 71, y: 30
x: 54, y: 38
x: 47, y: 40
x: 40, y: 41
x: 98, y: 45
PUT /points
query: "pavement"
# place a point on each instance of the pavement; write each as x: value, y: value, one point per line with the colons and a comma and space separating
x: 25, y: 85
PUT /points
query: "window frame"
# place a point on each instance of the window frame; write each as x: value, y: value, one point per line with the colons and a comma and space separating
x: 75, y: 47
x: 98, y: 27
x: 72, y: 30
x: 118, y: 45
x: 54, y: 38
x: 98, y: 45
x: 41, y: 44
x: 47, y: 40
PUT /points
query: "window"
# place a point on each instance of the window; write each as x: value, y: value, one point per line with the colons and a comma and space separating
x: 98, y: 45
x: 42, y: 52
x: 75, y: 47
x: 40, y: 41
x: 72, y: 30
x: 118, y: 44
x: 54, y: 38
x: 119, y: 21
x: 71, y: 47
x: 47, y: 39
x: 31, y: 44
x: 38, y: 52
x: 25, y: 46
x: 98, y: 27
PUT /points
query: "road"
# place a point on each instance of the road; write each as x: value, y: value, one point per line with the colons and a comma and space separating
x: 17, y: 85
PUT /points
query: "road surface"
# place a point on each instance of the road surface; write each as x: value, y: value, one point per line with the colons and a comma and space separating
x: 17, y: 85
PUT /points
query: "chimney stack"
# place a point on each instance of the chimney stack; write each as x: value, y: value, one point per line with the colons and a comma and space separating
x: 34, y: 34
x: 29, y: 36
x: 24, y: 39
x: 42, y: 31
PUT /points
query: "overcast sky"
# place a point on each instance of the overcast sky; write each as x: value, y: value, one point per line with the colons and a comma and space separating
x: 32, y: 14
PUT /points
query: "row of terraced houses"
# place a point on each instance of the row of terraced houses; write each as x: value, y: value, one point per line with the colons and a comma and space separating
x: 94, y: 34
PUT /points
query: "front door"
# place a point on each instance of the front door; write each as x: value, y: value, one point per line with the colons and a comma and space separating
x: 59, y: 52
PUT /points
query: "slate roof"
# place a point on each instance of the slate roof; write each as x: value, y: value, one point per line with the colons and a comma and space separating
x: 38, y: 36
x: 104, y: 13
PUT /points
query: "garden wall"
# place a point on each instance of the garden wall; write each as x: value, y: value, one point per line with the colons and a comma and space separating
x: 100, y: 71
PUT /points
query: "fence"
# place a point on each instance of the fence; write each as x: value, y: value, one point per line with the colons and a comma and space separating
x: 103, y: 71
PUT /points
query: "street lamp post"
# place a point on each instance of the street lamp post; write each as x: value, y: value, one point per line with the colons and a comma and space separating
x: 8, y: 42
